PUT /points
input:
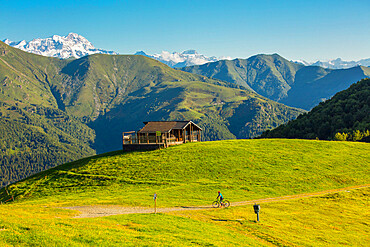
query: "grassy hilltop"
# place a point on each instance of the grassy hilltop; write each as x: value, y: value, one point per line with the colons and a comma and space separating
x: 191, y: 174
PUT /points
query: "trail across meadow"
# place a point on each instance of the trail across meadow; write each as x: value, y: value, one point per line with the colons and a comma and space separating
x: 94, y: 211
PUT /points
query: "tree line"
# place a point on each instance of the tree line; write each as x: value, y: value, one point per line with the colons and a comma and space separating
x: 346, y: 116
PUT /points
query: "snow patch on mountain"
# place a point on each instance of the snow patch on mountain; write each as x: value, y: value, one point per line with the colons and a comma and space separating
x: 72, y: 45
x: 183, y: 59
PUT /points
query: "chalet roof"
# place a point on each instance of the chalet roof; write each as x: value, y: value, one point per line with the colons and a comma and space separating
x: 166, y: 126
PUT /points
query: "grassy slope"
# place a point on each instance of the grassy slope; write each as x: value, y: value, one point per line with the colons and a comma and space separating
x: 36, y: 134
x: 339, y: 219
x: 26, y: 78
x: 26, y: 226
x: 190, y: 174
x: 268, y: 75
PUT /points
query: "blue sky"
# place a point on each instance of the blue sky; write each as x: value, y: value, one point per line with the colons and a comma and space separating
x: 308, y: 30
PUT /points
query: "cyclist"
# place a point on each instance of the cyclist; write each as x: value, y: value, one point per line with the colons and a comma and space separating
x: 221, y: 198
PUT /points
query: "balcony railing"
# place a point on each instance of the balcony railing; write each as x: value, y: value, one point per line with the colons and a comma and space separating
x: 133, y: 138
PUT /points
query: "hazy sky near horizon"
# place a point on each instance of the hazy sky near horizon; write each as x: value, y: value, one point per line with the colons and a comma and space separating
x: 296, y: 29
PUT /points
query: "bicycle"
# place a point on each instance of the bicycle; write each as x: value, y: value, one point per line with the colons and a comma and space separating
x: 217, y: 203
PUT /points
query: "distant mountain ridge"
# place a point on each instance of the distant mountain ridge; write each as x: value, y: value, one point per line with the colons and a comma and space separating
x: 63, y: 47
x: 183, y: 59
x: 76, y: 46
x: 278, y: 79
x: 336, y: 63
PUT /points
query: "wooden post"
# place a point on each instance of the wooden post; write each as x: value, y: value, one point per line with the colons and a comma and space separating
x: 147, y: 138
x: 190, y: 136
x: 9, y: 194
x: 155, y: 202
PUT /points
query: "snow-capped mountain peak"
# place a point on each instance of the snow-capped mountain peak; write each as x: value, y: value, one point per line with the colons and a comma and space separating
x: 340, y: 64
x: 72, y: 45
x: 336, y: 63
x: 183, y: 59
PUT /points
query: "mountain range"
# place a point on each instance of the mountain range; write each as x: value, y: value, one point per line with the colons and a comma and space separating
x: 336, y: 63
x: 183, y: 59
x: 72, y: 45
x: 283, y: 81
x: 76, y: 46
x: 56, y: 111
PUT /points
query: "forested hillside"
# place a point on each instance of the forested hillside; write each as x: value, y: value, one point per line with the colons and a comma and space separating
x: 60, y: 110
x: 36, y: 138
x: 347, y: 112
x: 278, y: 79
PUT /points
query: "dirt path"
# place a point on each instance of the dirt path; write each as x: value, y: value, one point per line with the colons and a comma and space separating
x: 107, y: 210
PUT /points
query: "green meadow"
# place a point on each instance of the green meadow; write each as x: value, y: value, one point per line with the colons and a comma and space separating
x: 339, y: 219
x: 191, y: 174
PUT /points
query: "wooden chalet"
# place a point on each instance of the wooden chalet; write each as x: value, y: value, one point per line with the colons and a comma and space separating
x: 159, y: 134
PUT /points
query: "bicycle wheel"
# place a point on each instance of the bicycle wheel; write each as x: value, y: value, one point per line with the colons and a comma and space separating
x: 215, y: 204
x: 226, y: 203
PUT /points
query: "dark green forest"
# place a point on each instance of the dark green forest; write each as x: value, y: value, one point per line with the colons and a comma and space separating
x: 36, y: 138
x: 346, y: 112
